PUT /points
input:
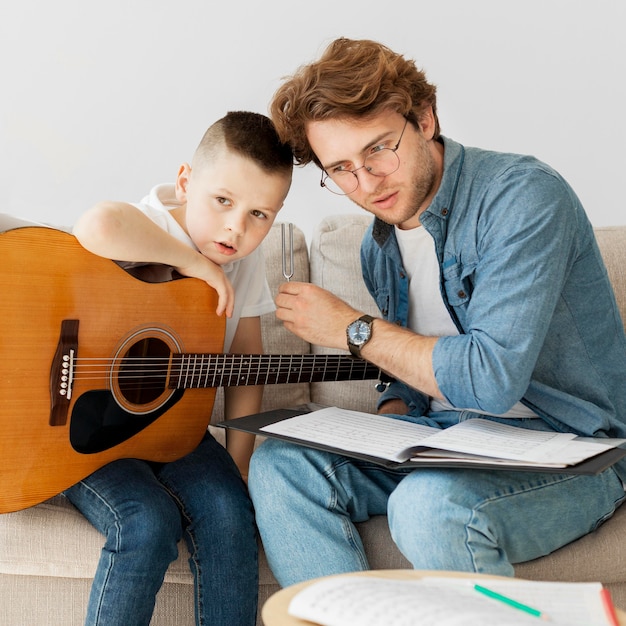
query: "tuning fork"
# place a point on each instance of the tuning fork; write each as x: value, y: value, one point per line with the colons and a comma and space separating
x: 287, y: 251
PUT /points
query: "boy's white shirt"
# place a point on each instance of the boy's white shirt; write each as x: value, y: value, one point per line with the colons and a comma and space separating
x: 247, y: 276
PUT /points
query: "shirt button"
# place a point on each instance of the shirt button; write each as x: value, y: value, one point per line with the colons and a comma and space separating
x: 444, y: 212
x: 461, y: 294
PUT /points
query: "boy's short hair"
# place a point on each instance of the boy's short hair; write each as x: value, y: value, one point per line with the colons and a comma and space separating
x: 352, y: 78
x: 250, y: 135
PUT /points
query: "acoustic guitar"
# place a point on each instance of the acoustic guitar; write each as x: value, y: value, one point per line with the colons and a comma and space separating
x: 98, y: 365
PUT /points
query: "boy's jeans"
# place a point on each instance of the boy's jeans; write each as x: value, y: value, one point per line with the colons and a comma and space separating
x: 144, y: 509
x: 474, y: 520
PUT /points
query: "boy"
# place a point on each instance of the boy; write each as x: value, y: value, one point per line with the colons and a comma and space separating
x: 209, y: 226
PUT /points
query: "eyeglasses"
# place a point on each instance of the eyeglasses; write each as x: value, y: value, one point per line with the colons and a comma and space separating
x: 380, y: 161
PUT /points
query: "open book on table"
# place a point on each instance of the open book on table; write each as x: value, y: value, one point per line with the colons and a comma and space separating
x: 395, y: 442
x: 351, y: 600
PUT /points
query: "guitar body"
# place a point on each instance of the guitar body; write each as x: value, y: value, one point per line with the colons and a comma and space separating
x: 58, y: 426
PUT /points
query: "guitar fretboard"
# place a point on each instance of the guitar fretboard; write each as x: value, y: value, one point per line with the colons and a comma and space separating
x: 191, y: 371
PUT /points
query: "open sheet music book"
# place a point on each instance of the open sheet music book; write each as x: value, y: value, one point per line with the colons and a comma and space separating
x: 351, y: 600
x: 396, y: 442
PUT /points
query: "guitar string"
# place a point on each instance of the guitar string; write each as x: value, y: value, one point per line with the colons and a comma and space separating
x: 189, y: 376
x: 224, y: 367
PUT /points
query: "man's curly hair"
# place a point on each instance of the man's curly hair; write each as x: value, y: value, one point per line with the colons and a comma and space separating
x: 352, y: 78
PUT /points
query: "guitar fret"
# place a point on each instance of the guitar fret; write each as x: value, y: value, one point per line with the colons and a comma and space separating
x: 211, y: 370
x: 259, y: 370
x: 269, y: 369
x: 228, y: 370
x: 199, y: 370
x: 221, y: 369
x: 201, y: 375
x: 248, y: 376
x: 232, y: 371
x: 191, y: 371
x: 181, y: 368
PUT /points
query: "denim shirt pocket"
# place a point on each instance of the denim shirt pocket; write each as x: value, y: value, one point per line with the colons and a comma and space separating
x: 457, y: 284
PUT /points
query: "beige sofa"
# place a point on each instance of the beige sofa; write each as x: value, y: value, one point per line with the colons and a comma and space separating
x: 48, y: 553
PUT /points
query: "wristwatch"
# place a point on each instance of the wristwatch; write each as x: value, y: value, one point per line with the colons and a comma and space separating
x: 359, y: 333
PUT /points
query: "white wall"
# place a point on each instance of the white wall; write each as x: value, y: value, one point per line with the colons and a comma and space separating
x: 101, y: 100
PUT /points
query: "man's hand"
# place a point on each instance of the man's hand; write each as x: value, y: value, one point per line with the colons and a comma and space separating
x: 314, y: 314
x: 319, y: 317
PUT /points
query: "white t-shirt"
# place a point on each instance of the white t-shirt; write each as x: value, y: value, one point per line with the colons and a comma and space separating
x: 428, y: 314
x: 247, y: 276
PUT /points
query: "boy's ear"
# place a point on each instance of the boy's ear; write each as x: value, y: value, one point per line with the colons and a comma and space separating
x: 182, y: 182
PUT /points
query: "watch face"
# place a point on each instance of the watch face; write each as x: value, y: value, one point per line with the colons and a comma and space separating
x: 359, y: 332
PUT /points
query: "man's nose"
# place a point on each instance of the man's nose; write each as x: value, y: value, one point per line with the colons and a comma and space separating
x: 367, y: 181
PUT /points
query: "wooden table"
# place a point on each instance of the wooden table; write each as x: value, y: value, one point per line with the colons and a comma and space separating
x: 274, y: 611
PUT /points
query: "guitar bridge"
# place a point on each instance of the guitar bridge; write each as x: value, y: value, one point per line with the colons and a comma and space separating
x: 62, y: 373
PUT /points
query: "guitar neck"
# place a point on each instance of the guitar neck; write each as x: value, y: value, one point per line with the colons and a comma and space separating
x: 193, y: 371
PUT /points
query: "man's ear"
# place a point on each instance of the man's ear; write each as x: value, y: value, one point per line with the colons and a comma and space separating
x: 182, y: 182
x: 426, y: 122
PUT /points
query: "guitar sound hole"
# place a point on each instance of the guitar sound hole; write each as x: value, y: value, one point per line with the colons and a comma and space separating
x: 142, y: 377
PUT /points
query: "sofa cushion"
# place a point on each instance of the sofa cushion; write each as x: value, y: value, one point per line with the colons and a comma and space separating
x: 54, y: 539
x: 336, y: 266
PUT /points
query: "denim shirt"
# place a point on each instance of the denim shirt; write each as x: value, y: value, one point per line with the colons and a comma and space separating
x: 524, y: 282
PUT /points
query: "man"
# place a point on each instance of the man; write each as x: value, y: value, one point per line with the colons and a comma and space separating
x: 494, y: 303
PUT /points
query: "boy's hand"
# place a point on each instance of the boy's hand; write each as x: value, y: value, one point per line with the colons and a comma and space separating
x: 117, y: 230
x: 214, y: 276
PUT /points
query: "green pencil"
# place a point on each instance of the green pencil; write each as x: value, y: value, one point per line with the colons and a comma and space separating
x: 510, y: 602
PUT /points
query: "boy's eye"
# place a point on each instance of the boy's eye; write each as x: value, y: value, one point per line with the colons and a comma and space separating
x: 259, y: 214
x: 224, y: 201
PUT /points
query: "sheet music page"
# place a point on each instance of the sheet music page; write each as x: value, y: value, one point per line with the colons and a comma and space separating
x: 365, y: 433
x: 371, y: 601
x: 480, y: 436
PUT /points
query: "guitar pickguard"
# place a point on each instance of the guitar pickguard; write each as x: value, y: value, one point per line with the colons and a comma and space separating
x: 99, y: 423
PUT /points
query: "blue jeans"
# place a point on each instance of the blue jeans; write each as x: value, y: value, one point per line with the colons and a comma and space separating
x: 307, y: 501
x: 144, y: 509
